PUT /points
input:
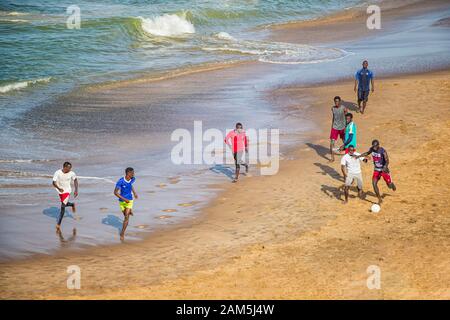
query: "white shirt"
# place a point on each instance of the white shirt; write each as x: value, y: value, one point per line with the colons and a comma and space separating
x: 64, y: 180
x: 352, y: 164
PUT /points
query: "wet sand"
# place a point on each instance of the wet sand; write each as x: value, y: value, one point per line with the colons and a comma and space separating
x: 292, y: 237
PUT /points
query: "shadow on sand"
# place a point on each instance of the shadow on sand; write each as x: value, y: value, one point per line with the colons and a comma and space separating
x: 350, y: 105
x: 327, y: 170
x: 53, y: 212
x: 113, y: 221
x: 225, y: 170
x: 321, y: 151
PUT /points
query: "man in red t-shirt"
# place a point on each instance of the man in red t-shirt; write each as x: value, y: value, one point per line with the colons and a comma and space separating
x: 237, y: 140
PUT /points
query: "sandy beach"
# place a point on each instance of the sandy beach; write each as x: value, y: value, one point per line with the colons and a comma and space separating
x: 296, y: 239
x: 290, y: 236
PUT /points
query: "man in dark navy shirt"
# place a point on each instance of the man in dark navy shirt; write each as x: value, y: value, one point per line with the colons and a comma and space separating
x: 363, y: 80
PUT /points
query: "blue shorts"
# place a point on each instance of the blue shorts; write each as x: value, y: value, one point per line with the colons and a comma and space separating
x: 363, y: 95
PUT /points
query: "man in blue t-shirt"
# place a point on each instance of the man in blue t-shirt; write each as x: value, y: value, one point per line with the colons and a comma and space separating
x: 363, y: 80
x: 124, y: 191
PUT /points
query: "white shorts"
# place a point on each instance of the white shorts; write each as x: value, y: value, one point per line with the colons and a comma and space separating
x: 354, y: 176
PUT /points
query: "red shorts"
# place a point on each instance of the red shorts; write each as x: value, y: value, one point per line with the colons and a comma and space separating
x: 64, y: 197
x: 337, y: 133
x: 386, y: 176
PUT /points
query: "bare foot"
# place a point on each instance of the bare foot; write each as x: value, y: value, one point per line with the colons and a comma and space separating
x: 74, y: 209
x: 58, y: 228
x: 122, y: 237
x: 380, y: 201
x: 234, y: 180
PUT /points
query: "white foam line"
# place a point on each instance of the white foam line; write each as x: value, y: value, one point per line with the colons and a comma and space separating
x: 22, y: 84
x: 96, y: 178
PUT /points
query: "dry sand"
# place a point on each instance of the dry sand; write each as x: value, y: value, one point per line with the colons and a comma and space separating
x: 291, y: 236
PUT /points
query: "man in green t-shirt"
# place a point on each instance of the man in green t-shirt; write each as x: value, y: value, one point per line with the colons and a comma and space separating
x: 350, y: 133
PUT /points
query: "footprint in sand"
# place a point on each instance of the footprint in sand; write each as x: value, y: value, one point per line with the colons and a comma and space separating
x: 150, y: 191
x: 188, y: 204
x: 161, y: 185
x: 164, y: 216
x: 174, y: 180
x: 103, y: 209
x: 141, y: 226
x: 169, y: 210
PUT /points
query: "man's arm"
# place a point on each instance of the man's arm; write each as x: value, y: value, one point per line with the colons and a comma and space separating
x: 386, y: 165
x: 332, y: 117
x: 373, y: 84
x: 344, y: 171
x: 246, y: 143
x: 227, y: 139
x: 56, y: 186
x: 134, y: 192
x: 116, y: 193
x: 363, y: 155
x: 346, y: 142
x: 75, y: 183
x: 356, y: 81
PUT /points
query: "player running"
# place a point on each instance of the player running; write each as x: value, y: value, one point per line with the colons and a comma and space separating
x: 237, y: 140
x: 351, y: 169
x: 337, y: 124
x: 62, y: 181
x: 124, y: 191
x: 364, y: 78
x: 381, y: 167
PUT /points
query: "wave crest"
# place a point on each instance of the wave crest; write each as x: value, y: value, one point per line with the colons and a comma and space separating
x: 168, y: 25
x: 22, y: 84
x: 274, y: 52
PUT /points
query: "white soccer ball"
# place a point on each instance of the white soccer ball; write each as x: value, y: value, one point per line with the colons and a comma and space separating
x: 375, y: 208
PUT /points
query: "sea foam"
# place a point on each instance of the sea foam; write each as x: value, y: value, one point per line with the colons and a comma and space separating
x: 168, y: 25
x: 22, y: 84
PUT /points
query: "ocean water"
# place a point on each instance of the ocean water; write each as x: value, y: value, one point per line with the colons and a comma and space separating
x: 118, y: 39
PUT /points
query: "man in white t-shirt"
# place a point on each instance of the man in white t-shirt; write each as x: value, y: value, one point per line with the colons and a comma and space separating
x: 62, y: 181
x: 351, y: 168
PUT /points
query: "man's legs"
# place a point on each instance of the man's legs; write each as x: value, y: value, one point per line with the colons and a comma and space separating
x: 237, y: 162
x: 346, y: 193
x: 126, y: 214
x: 375, y: 179
x: 348, y: 183
x: 387, y: 178
x: 359, y: 183
x: 359, y: 100
x: 364, y: 98
x: 331, y: 149
x: 64, y: 203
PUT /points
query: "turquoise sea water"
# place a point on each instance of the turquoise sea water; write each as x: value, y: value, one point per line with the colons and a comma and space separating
x: 118, y: 39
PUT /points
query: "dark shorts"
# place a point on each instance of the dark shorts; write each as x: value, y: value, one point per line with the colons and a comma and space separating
x: 238, y: 159
x: 363, y: 95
